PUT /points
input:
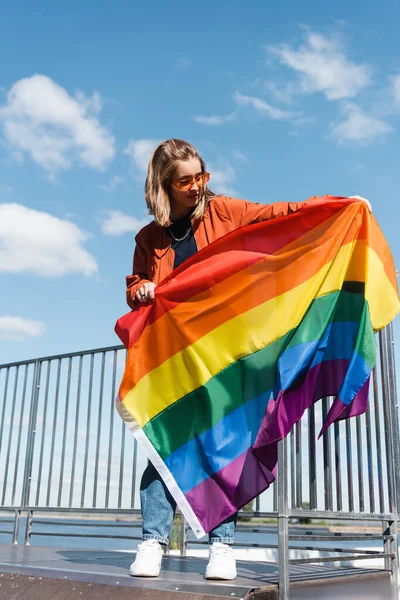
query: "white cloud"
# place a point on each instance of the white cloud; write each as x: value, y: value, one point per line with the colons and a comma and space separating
x: 395, y: 88
x: 222, y: 180
x: 323, y: 67
x: 113, y: 183
x: 358, y: 126
x: 140, y: 152
x: 118, y: 223
x: 38, y: 243
x: 240, y: 156
x: 300, y: 121
x: 19, y: 329
x: 262, y: 107
x: 283, y: 93
x: 216, y: 119
x: 41, y: 119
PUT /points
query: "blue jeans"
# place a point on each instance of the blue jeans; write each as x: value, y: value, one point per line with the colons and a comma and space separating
x: 158, y: 511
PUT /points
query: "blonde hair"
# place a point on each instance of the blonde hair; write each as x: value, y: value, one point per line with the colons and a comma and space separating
x: 162, y: 165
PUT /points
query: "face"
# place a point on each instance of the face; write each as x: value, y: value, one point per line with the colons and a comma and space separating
x: 182, y: 201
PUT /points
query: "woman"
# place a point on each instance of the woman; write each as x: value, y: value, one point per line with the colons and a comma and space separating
x: 187, y: 217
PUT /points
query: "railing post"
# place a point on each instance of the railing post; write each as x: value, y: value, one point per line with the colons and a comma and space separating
x: 311, y: 457
x: 183, y: 540
x: 388, y: 419
x: 395, y: 453
x: 16, y: 526
x: 283, y: 521
x: 31, y: 435
x: 28, y: 528
x: 394, y: 410
x: 391, y: 562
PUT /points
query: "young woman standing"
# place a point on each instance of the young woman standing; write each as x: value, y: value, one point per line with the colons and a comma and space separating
x: 187, y: 217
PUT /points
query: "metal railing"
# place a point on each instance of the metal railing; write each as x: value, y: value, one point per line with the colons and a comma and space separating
x: 64, y: 452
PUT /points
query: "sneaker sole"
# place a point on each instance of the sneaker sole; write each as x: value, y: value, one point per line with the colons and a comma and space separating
x: 227, y: 577
x: 144, y: 574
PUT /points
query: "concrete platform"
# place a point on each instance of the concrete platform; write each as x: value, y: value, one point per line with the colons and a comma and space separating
x: 39, y: 572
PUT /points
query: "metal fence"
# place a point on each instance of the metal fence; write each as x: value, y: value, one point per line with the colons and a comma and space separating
x: 65, y: 453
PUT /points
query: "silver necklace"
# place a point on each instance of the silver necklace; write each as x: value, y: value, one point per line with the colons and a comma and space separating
x: 182, y: 238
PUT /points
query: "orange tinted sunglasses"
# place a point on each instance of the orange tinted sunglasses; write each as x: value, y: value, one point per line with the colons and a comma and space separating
x: 186, y: 182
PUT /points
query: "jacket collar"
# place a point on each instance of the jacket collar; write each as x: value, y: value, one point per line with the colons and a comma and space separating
x: 162, y: 242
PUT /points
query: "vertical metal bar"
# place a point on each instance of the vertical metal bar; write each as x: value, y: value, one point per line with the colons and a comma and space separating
x: 75, y: 442
x: 283, y: 520
x: 100, y: 414
x: 110, y: 435
x: 299, y: 467
x: 21, y: 418
x: 312, y: 458
x: 183, y: 540
x: 275, y: 497
x: 369, y: 458
x: 338, y: 470
x: 378, y: 442
x: 121, y: 463
x: 28, y: 528
x: 292, y: 470
x: 390, y: 546
x: 360, y: 465
x: 46, y: 398
x: 395, y: 554
x: 386, y: 544
x: 387, y: 417
x: 133, y: 489
x: 394, y: 411
x: 10, y: 436
x: 53, y: 437
x: 4, y: 405
x: 16, y: 521
x: 349, y: 456
x: 3, y: 412
x: 31, y: 434
x: 327, y: 460
x: 64, y: 439
x: 88, y: 417
x: 258, y: 504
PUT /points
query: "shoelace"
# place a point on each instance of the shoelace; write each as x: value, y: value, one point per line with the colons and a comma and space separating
x: 143, y: 548
x: 218, y: 552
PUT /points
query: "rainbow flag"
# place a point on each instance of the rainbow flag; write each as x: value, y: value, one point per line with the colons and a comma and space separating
x: 243, y: 338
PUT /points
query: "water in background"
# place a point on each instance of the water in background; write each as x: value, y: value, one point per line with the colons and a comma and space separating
x: 73, y: 536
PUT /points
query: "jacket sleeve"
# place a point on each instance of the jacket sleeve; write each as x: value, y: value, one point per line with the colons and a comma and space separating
x: 139, y: 274
x: 243, y: 213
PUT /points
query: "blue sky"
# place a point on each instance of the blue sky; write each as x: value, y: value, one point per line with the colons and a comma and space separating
x: 283, y: 100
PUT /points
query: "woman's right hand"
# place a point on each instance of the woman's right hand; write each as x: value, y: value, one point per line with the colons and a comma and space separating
x: 146, y: 292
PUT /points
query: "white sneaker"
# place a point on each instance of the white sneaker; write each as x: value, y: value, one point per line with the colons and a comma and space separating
x: 222, y: 563
x: 148, y: 560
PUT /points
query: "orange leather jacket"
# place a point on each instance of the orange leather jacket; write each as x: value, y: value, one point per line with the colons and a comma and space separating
x: 154, y: 258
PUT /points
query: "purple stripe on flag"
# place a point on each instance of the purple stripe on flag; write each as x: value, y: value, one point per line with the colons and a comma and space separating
x: 340, y: 411
x: 221, y: 495
x: 324, y: 379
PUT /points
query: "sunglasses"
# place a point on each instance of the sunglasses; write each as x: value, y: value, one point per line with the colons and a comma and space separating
x: 185, y: 183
